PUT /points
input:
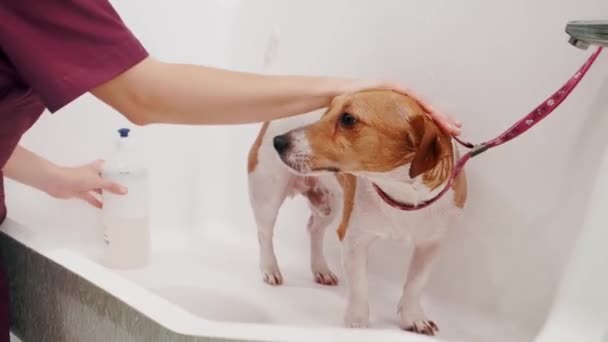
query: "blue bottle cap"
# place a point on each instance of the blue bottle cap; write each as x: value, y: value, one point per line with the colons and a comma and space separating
x: 124, y: 132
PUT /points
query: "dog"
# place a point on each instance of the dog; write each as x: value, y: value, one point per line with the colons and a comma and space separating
x: 365, y: 139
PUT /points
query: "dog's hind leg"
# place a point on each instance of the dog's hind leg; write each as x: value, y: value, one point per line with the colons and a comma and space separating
x: 267, y: 194
x: 268, y: 187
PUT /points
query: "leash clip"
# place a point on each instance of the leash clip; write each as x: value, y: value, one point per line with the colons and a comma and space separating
x: 479, y: 149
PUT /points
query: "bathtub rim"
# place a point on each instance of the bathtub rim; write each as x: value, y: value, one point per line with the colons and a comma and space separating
x: 177, y: 320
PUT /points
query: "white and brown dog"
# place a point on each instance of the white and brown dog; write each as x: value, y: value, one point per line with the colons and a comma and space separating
x: 370, y: 137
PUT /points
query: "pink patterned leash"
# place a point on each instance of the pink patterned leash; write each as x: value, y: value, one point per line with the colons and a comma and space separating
x: 534, y: 117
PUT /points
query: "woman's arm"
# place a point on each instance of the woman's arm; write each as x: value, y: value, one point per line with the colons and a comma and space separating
x: 158, y: 92
x: 30, y: 169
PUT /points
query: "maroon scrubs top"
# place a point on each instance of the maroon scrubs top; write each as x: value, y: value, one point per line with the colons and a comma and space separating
x: 51, y: 52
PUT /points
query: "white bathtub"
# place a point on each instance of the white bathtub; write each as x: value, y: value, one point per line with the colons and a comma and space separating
x: 526, y: 264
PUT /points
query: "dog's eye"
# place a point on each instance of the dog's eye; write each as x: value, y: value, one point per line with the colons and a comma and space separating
x: 347, y: 120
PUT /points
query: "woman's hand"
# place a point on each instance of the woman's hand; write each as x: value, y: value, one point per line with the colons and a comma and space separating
x: 81, y: 182
x: 446, y: 122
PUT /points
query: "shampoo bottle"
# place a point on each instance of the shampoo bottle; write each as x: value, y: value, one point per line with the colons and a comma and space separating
x: 125, y: 217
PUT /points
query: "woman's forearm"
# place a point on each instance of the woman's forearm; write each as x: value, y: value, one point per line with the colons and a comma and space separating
x: 193, y: 94
x: 157, y: 92
x: 30, y: 169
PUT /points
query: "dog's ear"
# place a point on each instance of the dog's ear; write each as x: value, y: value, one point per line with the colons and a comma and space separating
x: 429, y: 150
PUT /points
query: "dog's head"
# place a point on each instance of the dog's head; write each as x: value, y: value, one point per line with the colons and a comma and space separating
x: 373, y: 131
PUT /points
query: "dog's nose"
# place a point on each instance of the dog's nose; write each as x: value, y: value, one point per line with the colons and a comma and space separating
x: 281, y: 143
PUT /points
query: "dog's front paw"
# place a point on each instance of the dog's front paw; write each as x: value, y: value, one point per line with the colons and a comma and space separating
x: 357, y: 317
x: 424, y: 327
x: 416, y: 322
x: 324, y: 276
x: 413, y: 319
x: 272, y: 276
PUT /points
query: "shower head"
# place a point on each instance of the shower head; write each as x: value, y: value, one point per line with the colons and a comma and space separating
x: 588, y: 32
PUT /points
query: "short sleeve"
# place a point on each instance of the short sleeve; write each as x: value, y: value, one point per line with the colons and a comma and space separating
x: 64, y: 48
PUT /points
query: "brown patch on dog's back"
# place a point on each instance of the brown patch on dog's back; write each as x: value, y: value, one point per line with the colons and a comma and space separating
x: 348, y: 183
x: 252, y: 160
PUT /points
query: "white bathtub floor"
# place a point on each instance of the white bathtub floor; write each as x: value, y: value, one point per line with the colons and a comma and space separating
x: 218, y: 279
